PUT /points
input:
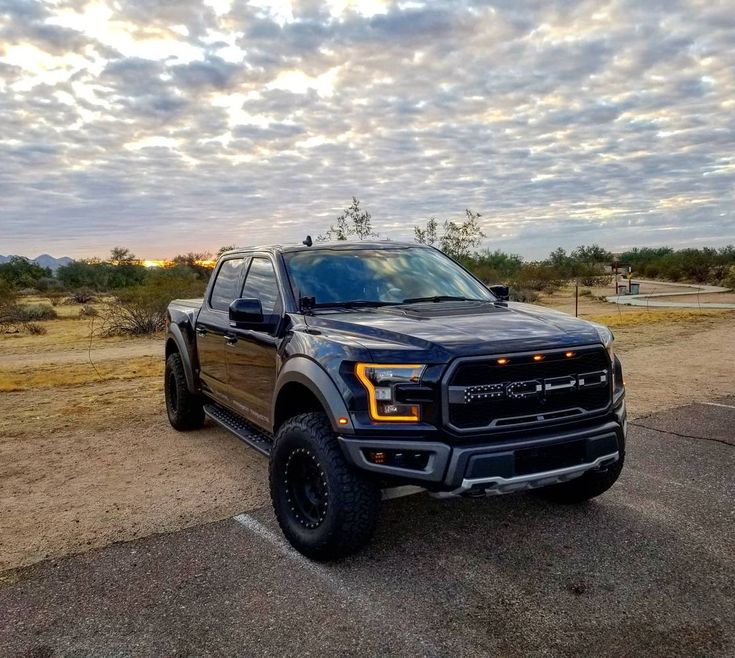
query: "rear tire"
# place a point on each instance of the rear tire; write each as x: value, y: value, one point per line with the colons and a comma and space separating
x: 585, y: 487
x: 326, y: 508
x: 185, y: 409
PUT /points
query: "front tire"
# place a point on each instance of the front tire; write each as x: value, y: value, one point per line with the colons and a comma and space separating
x: 587, y: 486
x: 185, y: 410
x: 326, y: 508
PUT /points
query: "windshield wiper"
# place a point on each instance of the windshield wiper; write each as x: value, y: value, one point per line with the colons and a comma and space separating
x: 355, y: 303
x: 439, y: 298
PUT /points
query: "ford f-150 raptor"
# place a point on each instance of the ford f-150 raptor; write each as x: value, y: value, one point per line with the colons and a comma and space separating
x: 358, y: 368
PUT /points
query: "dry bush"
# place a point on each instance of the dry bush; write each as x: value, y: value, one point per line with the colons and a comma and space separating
x: 81, y: 296
x: 88, y: 311
x: 35, y: 329
x: 523, y: 295
x: 142, y: 310
x: 36, y: 313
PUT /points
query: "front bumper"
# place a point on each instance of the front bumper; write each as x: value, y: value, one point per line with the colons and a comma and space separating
x: 498, y: 467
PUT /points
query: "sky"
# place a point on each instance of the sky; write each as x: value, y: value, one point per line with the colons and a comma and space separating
x: 169, y: 126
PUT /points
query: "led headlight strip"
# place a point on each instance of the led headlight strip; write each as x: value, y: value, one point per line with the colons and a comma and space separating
x: 379, y: 379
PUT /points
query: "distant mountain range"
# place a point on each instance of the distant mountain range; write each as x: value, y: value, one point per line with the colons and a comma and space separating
x: 44, y: 260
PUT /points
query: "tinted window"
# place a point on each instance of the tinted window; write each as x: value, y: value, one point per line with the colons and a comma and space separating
x: 380, y: 275
x: 261, y: 283
x: 225, y: 286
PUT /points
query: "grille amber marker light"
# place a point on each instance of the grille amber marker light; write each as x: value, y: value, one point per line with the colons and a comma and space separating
x: 569, y: 355
x: 360, y: 371
x: 538, y: 357
x: 342, y: 420
x: 503, y: 361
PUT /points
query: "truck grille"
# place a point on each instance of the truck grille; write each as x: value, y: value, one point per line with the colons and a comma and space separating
x: 508, y: 391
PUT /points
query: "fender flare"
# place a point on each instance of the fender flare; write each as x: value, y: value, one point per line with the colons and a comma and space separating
x: 310, y: 374
x: 175, y: 334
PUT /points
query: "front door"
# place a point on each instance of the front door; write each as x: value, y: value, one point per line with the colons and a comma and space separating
x: 252, y: 355
x: 212, y: 326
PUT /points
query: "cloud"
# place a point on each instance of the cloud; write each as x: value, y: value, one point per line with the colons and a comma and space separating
x: 179, y: 126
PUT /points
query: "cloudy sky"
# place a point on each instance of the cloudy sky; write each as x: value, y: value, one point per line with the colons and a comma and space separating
x: 174, y: 125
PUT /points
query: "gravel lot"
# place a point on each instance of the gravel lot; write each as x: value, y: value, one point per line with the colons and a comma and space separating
x: 647, y: 569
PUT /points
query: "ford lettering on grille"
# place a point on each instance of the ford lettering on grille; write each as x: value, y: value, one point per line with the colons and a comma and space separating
x: 529, y: 388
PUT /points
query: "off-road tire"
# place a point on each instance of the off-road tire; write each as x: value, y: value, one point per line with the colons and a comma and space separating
x: 185, y: 410
x: 585, y: 487
x: 347, y: 513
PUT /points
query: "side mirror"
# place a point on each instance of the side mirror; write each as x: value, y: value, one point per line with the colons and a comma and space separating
x: 501, y: 292
x: 247, y: 313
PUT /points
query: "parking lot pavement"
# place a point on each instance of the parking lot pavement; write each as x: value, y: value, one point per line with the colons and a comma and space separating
x: 647, y: 569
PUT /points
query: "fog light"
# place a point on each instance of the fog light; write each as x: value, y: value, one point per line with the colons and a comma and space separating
x: 376, y: 457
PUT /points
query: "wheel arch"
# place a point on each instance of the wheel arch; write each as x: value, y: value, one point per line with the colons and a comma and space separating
x: 175, y: 343
x: 302, y: 385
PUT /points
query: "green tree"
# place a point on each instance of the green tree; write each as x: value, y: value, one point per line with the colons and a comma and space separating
x: 222, y: 250
x: 22, y: 273
x: 428, y: 234
x: 591, y: 254
x: 352, y: 221
x: 122, y: 256
x: 460, y: 238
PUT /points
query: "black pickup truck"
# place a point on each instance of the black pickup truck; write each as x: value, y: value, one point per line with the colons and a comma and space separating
x: 368, y: 369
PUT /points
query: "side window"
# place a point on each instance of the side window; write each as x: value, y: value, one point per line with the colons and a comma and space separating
x: 261, y: 283
x: 224, y: 290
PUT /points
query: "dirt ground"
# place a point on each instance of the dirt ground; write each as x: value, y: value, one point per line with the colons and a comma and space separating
x: 87, y: 457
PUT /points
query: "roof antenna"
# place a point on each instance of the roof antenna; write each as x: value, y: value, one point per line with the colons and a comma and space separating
x: 308, y: 242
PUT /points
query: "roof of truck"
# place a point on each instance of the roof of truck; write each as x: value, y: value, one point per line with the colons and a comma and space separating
x: 338, y: 245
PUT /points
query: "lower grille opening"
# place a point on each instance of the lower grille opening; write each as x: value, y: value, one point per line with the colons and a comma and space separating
x: 550, y: 458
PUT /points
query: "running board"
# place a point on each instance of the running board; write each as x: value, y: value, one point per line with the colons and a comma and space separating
x: 241, y: 428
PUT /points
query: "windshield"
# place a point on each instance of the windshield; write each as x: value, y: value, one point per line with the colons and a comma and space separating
x: 335, y: 277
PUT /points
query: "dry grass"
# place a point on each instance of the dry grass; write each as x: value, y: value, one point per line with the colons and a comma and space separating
x: 74, y: 374
x: 641, y: 317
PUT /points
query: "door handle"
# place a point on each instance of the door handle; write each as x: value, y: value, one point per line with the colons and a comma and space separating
x: 230, y: 340
x: 201, y: 331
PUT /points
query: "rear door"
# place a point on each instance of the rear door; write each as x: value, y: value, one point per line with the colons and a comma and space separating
x: 252, y: 355
x: 213, y: 324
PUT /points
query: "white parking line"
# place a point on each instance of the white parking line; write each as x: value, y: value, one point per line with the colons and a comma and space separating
x: 329, y: 577
x: 718, y: 404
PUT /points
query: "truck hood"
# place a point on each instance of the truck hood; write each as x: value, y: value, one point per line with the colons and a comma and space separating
x: 441, y: 331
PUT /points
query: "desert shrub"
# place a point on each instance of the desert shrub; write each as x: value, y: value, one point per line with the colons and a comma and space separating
x: 8, y: 293
x: 35, y: 329
x: 585, y: 292
x: 88, y: 311
x: 729, y: 280
x: 36, y: 313
x: 56, y: 297
x: 523, y: 295
x: 142, y: 310
x: 538, y: 276
x: 596, y: 281
x: 81, y: 296
x: 99, y: 275
x: 48, y: 284
x: 22, y: 273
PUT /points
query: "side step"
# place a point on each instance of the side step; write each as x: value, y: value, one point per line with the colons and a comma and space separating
x: 241, y: 428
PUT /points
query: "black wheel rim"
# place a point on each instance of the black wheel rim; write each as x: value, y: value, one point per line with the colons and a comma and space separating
x: 173, y: 395
x: 306, y: 488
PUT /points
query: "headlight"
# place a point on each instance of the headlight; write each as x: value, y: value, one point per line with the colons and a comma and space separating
x: 608, y: 340
x: 380, y: 381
